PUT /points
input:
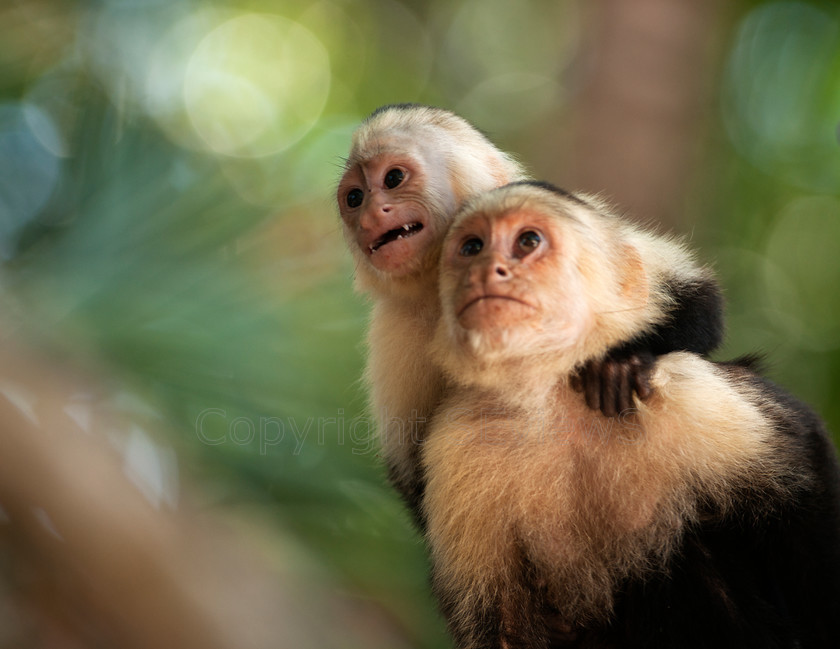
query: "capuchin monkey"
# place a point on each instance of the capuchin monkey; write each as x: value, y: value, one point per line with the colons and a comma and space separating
x: 705, y: 517
x: 410, y: 167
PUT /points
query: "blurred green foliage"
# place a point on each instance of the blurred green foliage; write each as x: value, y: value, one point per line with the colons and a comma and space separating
x: 166, y: 178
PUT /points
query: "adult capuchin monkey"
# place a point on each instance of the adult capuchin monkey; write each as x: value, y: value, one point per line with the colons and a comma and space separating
x: 708, y: 517
x: 409, y: 168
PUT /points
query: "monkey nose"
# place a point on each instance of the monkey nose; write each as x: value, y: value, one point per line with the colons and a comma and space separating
x: 371, y: 218
x: 379, y: 206
x: 498, y: 272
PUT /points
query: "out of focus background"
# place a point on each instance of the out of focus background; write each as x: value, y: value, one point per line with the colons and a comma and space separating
x: 185, y: 459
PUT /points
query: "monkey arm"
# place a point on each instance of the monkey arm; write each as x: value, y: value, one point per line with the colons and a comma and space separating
x: 695, y: 324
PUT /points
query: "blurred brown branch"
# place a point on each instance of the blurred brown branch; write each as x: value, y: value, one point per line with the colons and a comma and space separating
x: 640, y: 119
x: 91, y: 562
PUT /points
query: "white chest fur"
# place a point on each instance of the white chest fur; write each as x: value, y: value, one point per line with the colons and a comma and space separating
x: 584, y: 499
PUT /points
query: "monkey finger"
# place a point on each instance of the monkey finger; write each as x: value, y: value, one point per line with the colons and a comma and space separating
x: 576, y: 380
x: 643, y: 365
x: 609, y: 387
x: 592, y: 384
x: 626, y: 383
x: 643, y: 387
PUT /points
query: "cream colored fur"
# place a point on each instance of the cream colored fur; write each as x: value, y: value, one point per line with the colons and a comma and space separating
x: 588, y: 500
x: 437, y: 138
x: 519, y: 470
x: 611, y: 284
x: 404, y: 386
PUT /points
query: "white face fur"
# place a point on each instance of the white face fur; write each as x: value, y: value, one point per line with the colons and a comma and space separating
x: 510, y: 287
x: 408, y: 171
x: 392, y: 203
x: 535, y: 281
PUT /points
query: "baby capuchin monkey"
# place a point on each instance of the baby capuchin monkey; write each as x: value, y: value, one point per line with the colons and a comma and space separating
x: 409, y: 169
x: 705, y: 517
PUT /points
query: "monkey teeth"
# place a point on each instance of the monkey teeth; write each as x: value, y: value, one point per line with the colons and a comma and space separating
x: 402, y: 232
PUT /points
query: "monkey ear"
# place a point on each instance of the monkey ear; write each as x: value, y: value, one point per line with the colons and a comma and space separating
x: 634, y: 280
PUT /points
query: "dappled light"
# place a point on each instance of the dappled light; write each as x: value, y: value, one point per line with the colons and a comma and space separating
x: 185, y: 445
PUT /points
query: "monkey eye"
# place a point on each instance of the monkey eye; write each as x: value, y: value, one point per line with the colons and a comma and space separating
x: 355, y: 197
x: 528, y: 241
x: 393, y: 178
x: 471, y: 247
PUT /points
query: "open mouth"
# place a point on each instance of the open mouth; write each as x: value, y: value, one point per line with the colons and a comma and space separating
x: 402, y: 232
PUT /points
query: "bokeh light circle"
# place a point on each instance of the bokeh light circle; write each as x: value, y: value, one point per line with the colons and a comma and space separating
x: 802, y: 274
x: 779, y: 99
x: 255, y: 85
x: 527, y: 96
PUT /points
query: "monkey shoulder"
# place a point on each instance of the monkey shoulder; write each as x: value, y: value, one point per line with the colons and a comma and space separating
x: 747, y: 418
x: 766, y: 565
x: 707, y: 517
x: 695, y: 320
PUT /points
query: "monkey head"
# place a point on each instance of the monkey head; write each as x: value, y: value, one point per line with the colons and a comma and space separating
x: 393, y: 204
x: 536, y: 277
x: 409, y: 168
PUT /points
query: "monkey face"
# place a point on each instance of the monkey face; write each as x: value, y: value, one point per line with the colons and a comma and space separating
x: 536, y: 281
x: 392, y: 204
x: 491, y: 264
x: 508, y: 282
